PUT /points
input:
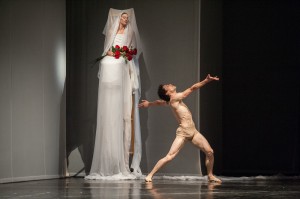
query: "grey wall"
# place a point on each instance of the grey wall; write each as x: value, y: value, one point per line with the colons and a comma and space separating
x: 170, y: 35
x: 32, y: 89
x: 169, y: 30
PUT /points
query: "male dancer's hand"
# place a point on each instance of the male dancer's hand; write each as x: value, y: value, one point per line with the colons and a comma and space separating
x: 144, y: 104
x: 210, y: 78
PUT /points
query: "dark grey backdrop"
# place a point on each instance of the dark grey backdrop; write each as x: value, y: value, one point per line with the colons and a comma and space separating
x: 261, y: 96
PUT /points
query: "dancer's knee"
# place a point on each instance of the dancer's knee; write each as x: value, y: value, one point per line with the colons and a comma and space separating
x: 169, y: 158
x: 209, y: 153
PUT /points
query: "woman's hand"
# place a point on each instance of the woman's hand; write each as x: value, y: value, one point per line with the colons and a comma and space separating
x: 110, y: 53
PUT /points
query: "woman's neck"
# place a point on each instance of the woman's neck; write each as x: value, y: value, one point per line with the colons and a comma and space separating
x: 121, y: 29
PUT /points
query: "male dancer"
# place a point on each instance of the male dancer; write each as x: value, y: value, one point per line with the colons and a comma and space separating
x: 186, y: 130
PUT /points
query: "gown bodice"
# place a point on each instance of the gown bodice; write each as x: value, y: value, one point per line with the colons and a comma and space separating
x: 119, y: 40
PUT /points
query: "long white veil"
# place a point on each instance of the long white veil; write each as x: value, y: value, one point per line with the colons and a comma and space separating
x: 101, y: 153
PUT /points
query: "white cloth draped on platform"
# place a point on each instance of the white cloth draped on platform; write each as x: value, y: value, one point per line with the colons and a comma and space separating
x: 118, y: 82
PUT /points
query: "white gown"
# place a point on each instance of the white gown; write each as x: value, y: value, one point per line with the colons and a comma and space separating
x: 113, y: 134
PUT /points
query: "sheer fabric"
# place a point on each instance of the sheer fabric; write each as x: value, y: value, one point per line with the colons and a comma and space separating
x: 118, y: 81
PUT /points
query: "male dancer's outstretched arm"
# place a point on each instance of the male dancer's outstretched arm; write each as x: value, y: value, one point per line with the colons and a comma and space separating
x: 146, y: 104
x: 182, y: 95
x: 196, y: 86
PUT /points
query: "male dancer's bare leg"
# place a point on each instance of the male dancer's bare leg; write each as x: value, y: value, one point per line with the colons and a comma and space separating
x: 200, y: 141
x: 175, y: 148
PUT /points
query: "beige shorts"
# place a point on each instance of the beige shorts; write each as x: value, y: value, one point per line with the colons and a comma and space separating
x: 186, y: 132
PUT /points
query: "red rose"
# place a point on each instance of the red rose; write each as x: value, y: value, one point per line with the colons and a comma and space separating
x: 125, y: 48
x: 134, y: 51
x: 117, y: 54
x: 129, y: 57
x: 117, y: 47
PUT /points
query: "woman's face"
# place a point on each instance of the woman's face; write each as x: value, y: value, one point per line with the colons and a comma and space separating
x: 124, y: 19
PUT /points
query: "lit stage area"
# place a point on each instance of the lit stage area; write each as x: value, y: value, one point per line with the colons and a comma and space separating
x: 161, y: 188
x: 250, y: 117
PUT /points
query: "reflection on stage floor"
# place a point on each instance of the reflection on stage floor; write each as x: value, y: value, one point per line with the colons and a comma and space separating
x: 160, y: 188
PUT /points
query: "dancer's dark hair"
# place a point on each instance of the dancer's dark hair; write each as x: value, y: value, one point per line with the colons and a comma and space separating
x: 162, y: 93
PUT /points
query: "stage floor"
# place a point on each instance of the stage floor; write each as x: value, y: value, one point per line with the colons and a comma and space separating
x: 286, y: 188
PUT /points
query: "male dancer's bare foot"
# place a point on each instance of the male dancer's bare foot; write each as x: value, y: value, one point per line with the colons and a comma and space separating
x: 148, y: 179
x: 212, y: 185
x: 214, y: 179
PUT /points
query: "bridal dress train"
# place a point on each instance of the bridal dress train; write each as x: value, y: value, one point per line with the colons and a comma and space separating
x: 118, y: 84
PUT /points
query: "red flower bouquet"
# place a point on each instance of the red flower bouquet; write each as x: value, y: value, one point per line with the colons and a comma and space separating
x: 125, y: 52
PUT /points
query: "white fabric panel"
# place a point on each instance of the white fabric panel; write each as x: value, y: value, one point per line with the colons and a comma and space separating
x: 54, y: 61
x: 32, y: 101
x: 27, y: 90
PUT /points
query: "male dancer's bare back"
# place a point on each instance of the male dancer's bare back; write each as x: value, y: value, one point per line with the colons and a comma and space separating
x: 186, y: 130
